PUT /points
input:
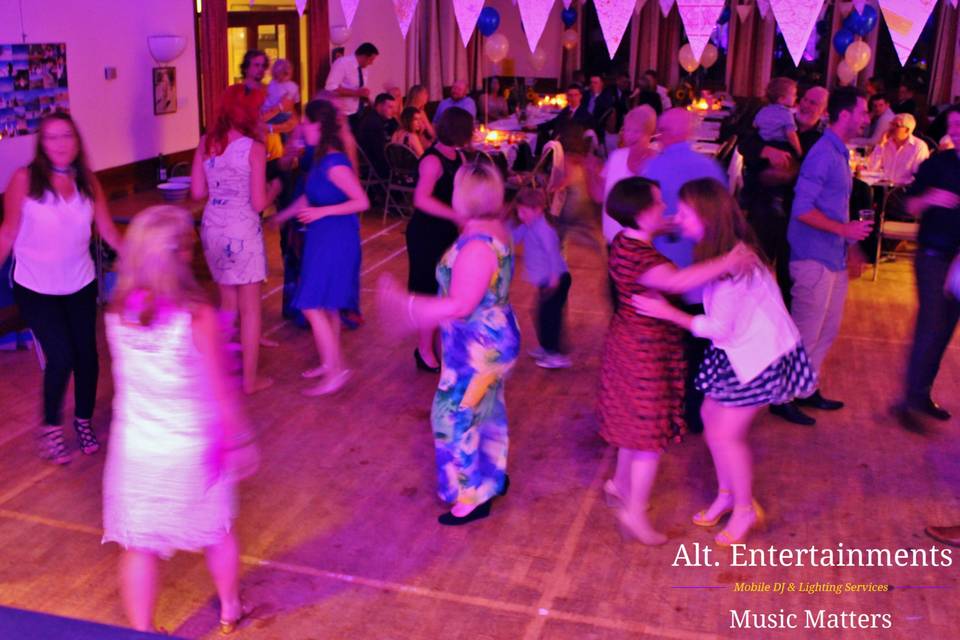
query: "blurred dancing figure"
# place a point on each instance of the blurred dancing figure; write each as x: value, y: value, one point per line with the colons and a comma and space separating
x: 480, y: 339
x: 330, y: 272
x: 756, y: 357
x: 178, y: 441
x: 230, y: 166
x: 49, y: 209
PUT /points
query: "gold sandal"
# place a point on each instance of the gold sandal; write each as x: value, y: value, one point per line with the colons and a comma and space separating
x: 700, y: 517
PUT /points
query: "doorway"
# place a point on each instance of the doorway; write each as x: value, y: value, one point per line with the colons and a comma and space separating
x: 275, y: 32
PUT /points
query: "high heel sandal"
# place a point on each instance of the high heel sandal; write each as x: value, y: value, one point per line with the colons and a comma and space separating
x: 229, y: 626
x: 88, y: 439
x: 52, y: 446
x: 700, y: 517
x: 422, y: 364
x: 724, y: 539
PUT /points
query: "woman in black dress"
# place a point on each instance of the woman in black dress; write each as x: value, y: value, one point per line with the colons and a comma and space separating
x: 433, y: 227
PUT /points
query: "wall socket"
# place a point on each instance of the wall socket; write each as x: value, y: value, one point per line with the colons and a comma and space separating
x: 110, y: 73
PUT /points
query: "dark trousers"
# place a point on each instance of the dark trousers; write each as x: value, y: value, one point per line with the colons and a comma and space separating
x: 550, y: 305
x: 66, y: 327
x: 770, y: 225
x: 937, y: 317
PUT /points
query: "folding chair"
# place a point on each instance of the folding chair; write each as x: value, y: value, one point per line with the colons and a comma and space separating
x: 369, y: 177
x: 891, y: 229
x: 404, y: 165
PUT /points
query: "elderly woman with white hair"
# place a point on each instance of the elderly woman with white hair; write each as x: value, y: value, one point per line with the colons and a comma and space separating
x: 639, y: 125
x: 481, y: 340
x: 900, y: 153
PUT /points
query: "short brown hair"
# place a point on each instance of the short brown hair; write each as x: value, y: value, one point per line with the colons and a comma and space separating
x: 455, y: 127
x: 530, y: 197
x: 629, y: 197
x: 779, y: 87
x: 724, y: 225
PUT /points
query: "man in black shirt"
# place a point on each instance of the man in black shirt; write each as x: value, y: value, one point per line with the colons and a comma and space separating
x: 575, y: 111
x: 374, y: 132
x: 934, y: 196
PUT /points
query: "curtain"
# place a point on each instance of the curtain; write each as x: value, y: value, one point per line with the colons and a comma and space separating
x: 213, y: 45
x: 434, y: 54
x: 570, y: 60
x: 646, y: 30
x: 668, y: 44
x: 318, y: 39
x: 944, y: 75
x: 750, y: 55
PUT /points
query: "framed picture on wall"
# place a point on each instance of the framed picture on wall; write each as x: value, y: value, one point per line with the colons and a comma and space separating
x: 164, y: 90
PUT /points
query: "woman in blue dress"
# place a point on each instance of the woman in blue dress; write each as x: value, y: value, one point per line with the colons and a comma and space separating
x: 480, y: 340
x: 330, y: 272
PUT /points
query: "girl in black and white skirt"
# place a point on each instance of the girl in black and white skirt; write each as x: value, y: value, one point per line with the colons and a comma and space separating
x: 756, y: 357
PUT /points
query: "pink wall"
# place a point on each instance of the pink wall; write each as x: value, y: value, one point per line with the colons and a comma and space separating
x: 115, y: 116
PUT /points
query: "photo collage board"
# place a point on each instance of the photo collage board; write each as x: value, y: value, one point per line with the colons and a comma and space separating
x: 33, y: 83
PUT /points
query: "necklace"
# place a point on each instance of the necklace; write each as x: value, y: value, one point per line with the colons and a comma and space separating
x: 64, y: 172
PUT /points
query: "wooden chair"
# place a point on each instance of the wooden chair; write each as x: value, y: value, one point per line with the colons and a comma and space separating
x: 402, y: 182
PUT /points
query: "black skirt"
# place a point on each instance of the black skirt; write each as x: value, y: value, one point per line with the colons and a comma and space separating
x: 428, y: 238
x: 790, y: 377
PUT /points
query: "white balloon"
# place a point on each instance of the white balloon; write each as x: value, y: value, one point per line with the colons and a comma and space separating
x: 709, y: 56
x: 496, y: 47
x: 687, y: 61
x: 539, y: 59
x: 846, y: 74
x: 570, y: 38
x: 339, y: 34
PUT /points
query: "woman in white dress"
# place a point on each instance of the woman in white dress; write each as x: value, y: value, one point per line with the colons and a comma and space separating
x: 230, y: 167
x: 178, y: 441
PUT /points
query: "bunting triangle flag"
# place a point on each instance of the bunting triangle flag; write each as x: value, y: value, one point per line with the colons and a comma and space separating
x: 301, y: 6
x: 613, y: 16
x: 905, y: 20
x: 467, y: 12
x: 859, y: 5
x: 566, y: 3
x: 699, y: 19
x: 744, y: 11
x: 954, y: 3
x: 796, y: 19
x: 665, y: 6
x: 405, y: 10
x: 639, y: 7
x: 763, y: 6
x: 534, y: 14
x: 349, y: 10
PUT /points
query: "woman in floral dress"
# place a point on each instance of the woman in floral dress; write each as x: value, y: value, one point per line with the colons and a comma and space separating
x: 481, y: 341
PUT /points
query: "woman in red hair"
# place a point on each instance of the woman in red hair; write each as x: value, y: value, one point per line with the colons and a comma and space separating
x: 230, y: 167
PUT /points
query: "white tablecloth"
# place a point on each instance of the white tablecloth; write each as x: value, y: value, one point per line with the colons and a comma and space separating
x: 535, y: 116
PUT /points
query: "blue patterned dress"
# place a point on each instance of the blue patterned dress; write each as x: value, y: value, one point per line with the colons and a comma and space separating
x: 469, y: 416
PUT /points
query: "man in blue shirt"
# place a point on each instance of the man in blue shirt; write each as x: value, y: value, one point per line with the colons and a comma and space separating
x: 458, y: 98
x: 820, y: 232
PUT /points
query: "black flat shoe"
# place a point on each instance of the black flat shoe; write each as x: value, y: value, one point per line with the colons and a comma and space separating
x: 791, y: 413
x: 421, y: 363
x: 817, y: 401
x: 930, y: 408
x: 909, y: 420
x: 450, y: 520
x: 505, y: 487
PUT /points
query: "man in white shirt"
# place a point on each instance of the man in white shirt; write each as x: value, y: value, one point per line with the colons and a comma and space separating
x: 458, y: 98
x: 880, y: 117
x: 900, y: 153
x: 348, y: 79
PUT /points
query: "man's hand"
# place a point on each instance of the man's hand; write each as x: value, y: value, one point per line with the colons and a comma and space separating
x: 777, y: 158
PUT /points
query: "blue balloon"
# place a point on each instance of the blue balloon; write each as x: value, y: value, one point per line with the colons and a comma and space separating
x: 861, y: 23
x: 569, y: 17
x: 489, y: 21
x: 843, y: 39
x: 724, y: 16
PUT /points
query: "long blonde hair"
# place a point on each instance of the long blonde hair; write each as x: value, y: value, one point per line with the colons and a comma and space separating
x: 151, y: 263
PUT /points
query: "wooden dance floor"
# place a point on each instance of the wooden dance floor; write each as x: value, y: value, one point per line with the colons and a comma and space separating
x: 339, y: 533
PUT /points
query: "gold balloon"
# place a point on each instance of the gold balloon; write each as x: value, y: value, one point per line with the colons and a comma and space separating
x: 857, y: 55
x: 570, y: 38
x: 496, y: 47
